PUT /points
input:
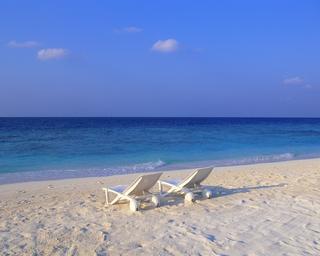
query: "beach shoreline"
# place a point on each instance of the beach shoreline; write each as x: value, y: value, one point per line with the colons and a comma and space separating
x: 259, y: 209
x: 70, y: 174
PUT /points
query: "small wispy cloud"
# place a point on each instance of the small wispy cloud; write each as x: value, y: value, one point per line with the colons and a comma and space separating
x: 26, y: 44
x: 293, y: 81
x: 52, y: 53
x: 169, y: 45
x: 296, y: 81
x: 131, y: 29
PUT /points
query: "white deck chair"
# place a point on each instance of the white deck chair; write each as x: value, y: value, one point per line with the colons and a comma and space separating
x: 191, y: 184
x: 134, y: 193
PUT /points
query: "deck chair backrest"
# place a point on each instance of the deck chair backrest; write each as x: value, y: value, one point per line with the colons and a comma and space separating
x: 196, y: 177
x: 142, y: 184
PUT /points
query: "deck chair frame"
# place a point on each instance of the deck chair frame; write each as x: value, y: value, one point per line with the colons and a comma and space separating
x: 191, y: 183
x: 137, y: 190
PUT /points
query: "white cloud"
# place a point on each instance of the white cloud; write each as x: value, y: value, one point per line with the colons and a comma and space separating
x: 169, y: 45
x: 130, y: 29
x: 296, y: 81
x: 293, y: 81
x: 52, y: 53
x: 26, y: 44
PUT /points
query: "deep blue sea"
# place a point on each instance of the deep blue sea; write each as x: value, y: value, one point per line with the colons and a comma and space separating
x: 51, y: 148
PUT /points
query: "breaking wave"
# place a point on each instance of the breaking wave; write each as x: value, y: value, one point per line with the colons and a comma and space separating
x: 158, y: 165
x: 14, y: 177
x: 263, y: 159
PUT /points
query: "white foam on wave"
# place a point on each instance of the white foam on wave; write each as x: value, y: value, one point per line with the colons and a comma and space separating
x: 266, y: 158
x: 77, y: 173
x: 232, y: 162
x: 141, y: 167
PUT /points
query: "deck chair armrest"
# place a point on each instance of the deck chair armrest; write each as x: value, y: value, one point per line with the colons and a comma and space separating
x: 110, y: 190
x: 162, y: 183
x: 166, y: 183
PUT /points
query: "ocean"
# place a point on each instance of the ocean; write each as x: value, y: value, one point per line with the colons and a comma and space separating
x: 55, y: 148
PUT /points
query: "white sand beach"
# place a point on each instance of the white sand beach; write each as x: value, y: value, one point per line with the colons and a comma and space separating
x: 261, y: 209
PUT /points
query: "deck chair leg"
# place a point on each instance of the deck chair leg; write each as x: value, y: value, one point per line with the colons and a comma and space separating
x: 160, y: 187
x: 107, y: 197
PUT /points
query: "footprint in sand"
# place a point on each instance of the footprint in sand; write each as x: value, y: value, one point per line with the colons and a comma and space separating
x: 72, y: 251
x: 104, y: 236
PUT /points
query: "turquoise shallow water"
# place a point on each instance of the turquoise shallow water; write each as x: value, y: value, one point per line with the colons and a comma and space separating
x: 42, y: 148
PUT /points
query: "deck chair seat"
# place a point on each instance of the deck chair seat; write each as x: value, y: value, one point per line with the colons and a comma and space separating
x: 191, y: 184
x: 134, y: 193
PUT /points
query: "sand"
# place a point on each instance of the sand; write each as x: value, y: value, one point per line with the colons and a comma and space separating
x: 262, y: 209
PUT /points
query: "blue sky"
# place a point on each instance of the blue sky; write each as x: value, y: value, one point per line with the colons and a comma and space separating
x: 160, y: 58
